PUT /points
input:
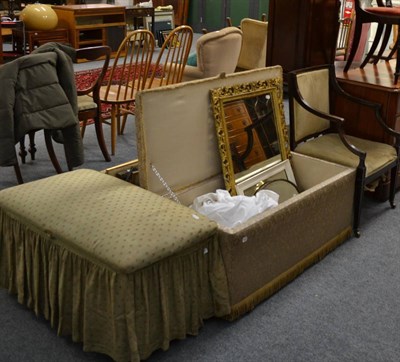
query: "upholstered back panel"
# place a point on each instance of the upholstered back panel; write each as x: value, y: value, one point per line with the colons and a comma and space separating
x: 218, y: 52
x: 176, y: 134
x: 254, y: 44
x: 314, y: 88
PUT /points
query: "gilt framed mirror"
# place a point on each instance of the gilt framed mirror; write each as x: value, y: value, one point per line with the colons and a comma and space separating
x: 251, y: 131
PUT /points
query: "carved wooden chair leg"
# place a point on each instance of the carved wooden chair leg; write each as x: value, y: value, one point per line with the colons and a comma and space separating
x: 50, y: 150
x: 100, y: 138
x: 358, y: 196
x: 393, y: 186
x: 32, y: 147
x: 22, y: 149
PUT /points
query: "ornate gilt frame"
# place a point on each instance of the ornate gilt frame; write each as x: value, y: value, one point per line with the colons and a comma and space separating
x: 221, y: 95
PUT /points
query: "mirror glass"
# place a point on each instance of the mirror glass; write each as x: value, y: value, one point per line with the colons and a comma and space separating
x: 251, y: 129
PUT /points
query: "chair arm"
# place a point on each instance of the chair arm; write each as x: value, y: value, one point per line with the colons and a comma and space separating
x: 377, y: 107
x: 192, y: 73
x: 91, y: 54
x: 337, y: 121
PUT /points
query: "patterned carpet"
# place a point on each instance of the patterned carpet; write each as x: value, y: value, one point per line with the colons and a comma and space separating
x: 85, y: 78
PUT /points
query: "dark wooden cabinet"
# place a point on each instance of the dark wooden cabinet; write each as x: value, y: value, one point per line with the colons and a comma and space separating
x: 302, y: 33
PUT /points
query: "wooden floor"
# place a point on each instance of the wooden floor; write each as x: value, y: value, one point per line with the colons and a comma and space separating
x: 380, y: 75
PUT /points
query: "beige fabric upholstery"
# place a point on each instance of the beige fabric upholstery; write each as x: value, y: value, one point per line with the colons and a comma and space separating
x: 254, y: 44
x: 86, y: 102
x: 273, y: 247
x: 331, y: 148
x: 277, y: 245
x: 308, y: 83
x: 118, y: 268
x: 217, y: 52
x: 186, y: 116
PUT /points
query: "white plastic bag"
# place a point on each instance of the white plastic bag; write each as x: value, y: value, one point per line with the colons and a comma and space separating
x: 230, y: 210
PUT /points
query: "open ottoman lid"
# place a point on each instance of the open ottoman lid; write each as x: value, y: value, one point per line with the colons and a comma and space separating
x: 177, y: 141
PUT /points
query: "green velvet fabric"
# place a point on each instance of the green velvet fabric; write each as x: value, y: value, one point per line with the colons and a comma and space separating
x: 192, y: 59
x: 120, y: 269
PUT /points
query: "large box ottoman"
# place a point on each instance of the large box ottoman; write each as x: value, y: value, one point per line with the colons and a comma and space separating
x: 119, y: 268
x: 177, y: 140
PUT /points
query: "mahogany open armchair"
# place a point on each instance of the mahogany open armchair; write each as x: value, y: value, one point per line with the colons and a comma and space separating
x: 316, y: 132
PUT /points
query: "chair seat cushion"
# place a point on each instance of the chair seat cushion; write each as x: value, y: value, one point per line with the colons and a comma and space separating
x: 330, y: 148
x: 116, y: 94
x: 86, y: 102
x: 385, y: 11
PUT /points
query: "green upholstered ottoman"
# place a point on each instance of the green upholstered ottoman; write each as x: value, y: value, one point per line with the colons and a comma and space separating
x: 118, y: 268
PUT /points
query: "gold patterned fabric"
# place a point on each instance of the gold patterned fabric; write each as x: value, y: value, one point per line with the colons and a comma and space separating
x: 117, y: 267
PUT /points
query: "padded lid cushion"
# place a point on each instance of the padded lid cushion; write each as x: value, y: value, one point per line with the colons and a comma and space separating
x: 106, y: 220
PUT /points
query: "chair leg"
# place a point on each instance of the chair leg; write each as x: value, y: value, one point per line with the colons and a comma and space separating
x: 32, y: 147
x: 384, y: 44
x: 358, y: 196
x: 22, y: 149
x: 18, y: 173
x: 393, y: 185
x: 374, y: 45
x: 50, y: 150
x: 114, y: 127
x: 100, y: 137
x: 354, y: 46
x: 83, y: 127
x: 391, y: 54
x: 118, y: 120
x: 125, y: 116
x: 397, y: 71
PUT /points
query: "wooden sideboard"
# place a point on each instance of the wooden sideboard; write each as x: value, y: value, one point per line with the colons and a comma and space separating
x: 90, y: 25
x: 302, y: 33
x: 181, y: 8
